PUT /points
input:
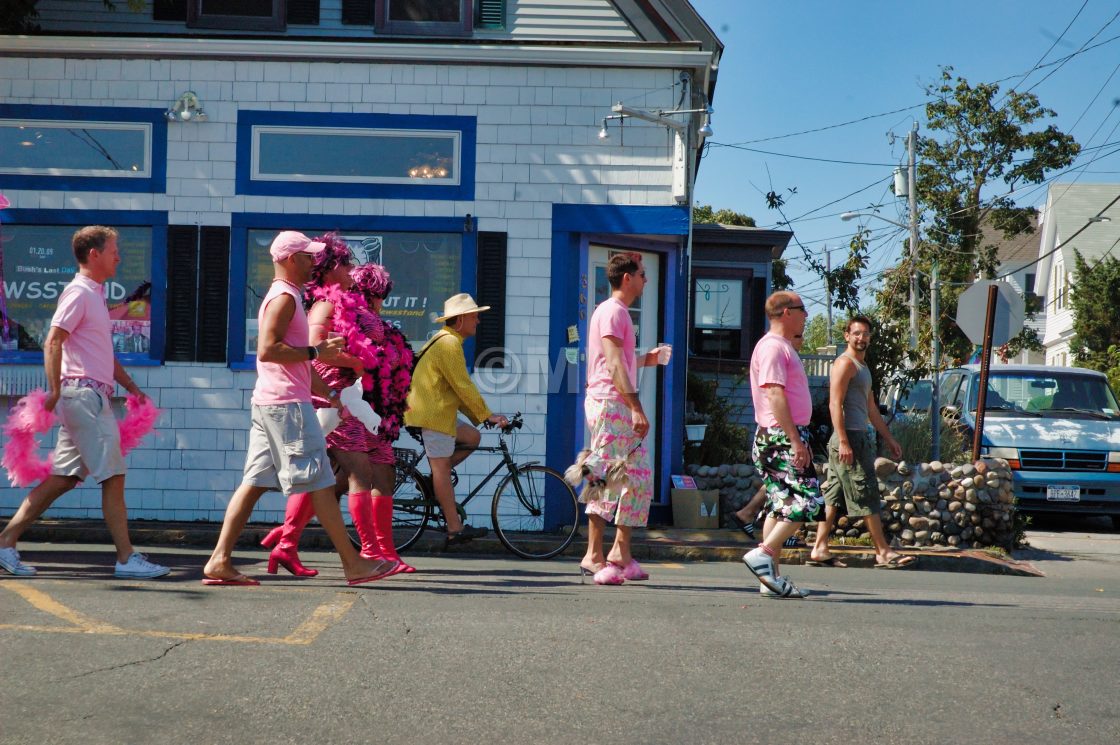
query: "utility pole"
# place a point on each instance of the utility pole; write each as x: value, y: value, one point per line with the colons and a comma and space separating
x: 912, y: 146
x: 828, y: 290
x: 935, y: 362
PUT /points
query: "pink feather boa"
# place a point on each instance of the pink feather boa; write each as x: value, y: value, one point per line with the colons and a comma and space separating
x: 30, y: 417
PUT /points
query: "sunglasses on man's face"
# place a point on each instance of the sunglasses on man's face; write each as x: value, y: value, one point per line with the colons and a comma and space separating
x: 798, y: 307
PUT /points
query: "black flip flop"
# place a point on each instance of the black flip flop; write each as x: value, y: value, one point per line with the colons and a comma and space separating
x: 831, y: 561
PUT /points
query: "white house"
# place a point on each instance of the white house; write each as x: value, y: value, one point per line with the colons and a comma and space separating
x: 1077, y: 217
x: 1018, y: 265
x: 455, y: 141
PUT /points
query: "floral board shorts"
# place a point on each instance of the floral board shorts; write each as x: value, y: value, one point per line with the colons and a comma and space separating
x: 792, y: 495
x: 612, y: 439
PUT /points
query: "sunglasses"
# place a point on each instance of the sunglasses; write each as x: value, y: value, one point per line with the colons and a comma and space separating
x: 798, y: 307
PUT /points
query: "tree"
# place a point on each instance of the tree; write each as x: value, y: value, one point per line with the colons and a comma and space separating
x: 1095, y: 297
x: 703, y: 213
x: 982, y: 142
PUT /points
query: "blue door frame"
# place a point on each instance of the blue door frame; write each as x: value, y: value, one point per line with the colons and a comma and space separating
x: 572, y: 225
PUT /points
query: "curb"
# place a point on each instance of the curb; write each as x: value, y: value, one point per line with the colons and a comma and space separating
x: 653, y: 544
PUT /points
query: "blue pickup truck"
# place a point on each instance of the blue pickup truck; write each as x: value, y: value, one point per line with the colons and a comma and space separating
x: 1058, y: 427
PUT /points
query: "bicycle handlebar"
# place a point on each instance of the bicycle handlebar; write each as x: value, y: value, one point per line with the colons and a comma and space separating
x: 515, y: 423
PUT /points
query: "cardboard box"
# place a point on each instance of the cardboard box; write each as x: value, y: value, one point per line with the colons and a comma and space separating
x: 693, y: 508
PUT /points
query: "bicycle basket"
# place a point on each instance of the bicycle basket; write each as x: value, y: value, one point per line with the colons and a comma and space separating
x: 405, y: 459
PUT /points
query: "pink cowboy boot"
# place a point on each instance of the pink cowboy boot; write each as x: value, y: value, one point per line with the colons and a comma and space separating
x: 383, y: 530
x: 285, y: 538
x: 362, y: 513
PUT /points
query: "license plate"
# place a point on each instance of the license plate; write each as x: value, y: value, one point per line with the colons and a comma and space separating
x: 1063, y: 494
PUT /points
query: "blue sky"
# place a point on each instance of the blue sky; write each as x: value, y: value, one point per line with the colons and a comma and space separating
x: 794, y: 65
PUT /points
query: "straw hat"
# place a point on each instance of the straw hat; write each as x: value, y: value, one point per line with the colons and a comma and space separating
x: 460, y: 305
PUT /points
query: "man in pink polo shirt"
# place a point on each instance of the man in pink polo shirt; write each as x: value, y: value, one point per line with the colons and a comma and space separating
x: 782, y: 408
x: 287, y: 449
x: 618, y: 425
x: 81, y: 370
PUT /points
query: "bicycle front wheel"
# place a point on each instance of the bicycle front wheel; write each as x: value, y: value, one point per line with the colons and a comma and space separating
x: 535, y: 512
x: 412, y: 508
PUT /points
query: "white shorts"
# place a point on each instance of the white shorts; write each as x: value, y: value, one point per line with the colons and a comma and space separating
x: 89, y: 442
x: 287, y: 450
x: 438, y: 444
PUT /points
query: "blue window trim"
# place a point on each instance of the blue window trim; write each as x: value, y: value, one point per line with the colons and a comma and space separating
x: 247, y: 119
x: 157, y: 221
x: 242, y: 223
x: 156, y: 184
x: 573, y: 225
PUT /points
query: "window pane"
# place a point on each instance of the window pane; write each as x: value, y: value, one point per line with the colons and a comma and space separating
x: 75, y: 148
x: 426, y: 269
x: 426, y: 11
x: 717, y: 343
x: 719, y: 303
x: 373, y: 156
x: 39, y: 263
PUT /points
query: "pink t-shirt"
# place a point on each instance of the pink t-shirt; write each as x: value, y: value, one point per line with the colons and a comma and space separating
x: 775, y: 362
x: 611, y: 318
x: 82, y: 313
x: 284, y: 382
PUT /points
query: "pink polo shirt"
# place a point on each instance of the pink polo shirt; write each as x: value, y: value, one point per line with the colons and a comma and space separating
x: 776, y: 362
x: 611, y: 318
x: 284, y: 382
x: 83, y: 314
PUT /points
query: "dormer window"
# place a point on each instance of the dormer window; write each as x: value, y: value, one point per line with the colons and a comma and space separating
x: 255, y: 15
x: 425, y: 17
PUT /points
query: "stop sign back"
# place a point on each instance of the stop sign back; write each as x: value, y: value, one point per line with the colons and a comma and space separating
x: 972, y: 309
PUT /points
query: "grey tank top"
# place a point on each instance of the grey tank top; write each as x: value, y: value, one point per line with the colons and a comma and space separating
x: 855, y: 400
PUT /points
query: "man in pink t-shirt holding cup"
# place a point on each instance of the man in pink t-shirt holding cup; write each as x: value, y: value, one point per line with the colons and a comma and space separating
x: 782, y: 408
x: 81, y: 370
x: 619, y: 481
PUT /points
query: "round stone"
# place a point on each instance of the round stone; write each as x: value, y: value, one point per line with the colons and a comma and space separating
x: 936, y: 466
x: 885, y: 467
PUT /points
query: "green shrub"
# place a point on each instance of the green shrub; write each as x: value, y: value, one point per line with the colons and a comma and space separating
x: 724, y: 441
x: 916, y: 438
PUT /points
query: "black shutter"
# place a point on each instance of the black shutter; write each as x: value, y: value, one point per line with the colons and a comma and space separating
x: 490, y: 340
x: 757, y: 309
x: 357, y: 12
x: 182, y: 297
x: 304, y: 12
x: 213, y: 294
x: 490, y: 13
x: 169, y: 10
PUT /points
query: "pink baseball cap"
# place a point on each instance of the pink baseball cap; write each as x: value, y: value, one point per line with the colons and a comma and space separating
x: 291, y: 242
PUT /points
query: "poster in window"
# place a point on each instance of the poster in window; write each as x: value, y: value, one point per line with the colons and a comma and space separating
x: 38, y: 263
x: 426, y: 269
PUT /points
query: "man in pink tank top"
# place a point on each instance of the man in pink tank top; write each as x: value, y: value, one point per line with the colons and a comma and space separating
x: 287, y: 449
x: 81, y: 370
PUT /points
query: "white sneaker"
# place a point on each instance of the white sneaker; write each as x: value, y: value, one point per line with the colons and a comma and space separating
x: 138, y: 567
x: 9, y: 560
x: 789, y: 590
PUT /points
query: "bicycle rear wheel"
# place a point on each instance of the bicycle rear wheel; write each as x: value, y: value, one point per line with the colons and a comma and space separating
x: 536, y: 513
x: 412, y: 508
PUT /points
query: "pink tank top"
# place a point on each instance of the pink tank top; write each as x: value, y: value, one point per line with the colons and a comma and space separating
x: 284, y: 382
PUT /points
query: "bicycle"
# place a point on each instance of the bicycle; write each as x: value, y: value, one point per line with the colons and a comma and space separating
x: 533, y: 506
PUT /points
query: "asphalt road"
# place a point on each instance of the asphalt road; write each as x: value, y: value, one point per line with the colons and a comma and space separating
x: 503, y: 651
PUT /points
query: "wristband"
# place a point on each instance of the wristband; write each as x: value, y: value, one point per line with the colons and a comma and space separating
x: 312, y: 353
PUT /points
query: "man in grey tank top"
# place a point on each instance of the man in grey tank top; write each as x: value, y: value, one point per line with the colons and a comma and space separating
x: 851, y: 452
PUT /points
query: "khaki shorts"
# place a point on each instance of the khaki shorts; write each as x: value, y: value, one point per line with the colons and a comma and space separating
x: 438, y: 444
x: 89, y: 442
x: 854, y: 485
x: 287, y: 450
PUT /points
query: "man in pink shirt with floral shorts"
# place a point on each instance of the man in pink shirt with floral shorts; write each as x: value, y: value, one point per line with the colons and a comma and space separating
x: 782, y: 407
x: 81, y: 370
x: 616, y: 465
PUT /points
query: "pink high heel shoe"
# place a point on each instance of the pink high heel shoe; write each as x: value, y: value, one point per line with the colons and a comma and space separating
x: 288, y: 558
x: 633, y: 571
x: 609, y: 575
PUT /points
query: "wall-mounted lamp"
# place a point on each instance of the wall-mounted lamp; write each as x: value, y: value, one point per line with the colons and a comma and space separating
x: 468, y: 224
x: 186, y: 109
x: 603, y: 133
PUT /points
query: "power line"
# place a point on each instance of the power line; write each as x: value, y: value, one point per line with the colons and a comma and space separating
x: 802, y: 157
x: 1063, y: 243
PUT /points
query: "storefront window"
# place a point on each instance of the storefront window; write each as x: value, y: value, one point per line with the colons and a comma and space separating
x: 37, y: 265
x: 426, y: 269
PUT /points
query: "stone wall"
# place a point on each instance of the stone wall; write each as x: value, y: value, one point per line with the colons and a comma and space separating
x: 930, y: 504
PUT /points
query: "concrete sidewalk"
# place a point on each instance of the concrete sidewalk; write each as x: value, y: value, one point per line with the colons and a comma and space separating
x: 653, y: 544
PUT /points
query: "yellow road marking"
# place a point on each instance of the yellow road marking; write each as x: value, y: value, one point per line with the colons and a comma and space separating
x: 670, y: 565
x: 303, y: 635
